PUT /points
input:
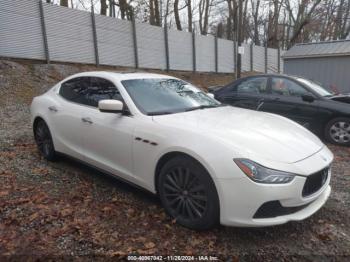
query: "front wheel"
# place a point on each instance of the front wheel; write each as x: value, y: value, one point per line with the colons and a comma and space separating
x: 188, y: 193
x: 337, y: 131
x: 44, y: 141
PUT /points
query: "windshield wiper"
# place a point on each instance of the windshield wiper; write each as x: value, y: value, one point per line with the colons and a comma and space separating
x: 159, y: 113
x: 202, y: 107
x: 188, y: 109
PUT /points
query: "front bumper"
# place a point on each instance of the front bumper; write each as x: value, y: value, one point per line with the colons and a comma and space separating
x: 241, y: 198
x: 240, y: 205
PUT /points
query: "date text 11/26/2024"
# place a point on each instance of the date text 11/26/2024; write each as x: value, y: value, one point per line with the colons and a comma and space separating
x: 172, y: 258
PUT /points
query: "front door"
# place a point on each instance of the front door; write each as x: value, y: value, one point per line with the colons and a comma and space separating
x: 108, y: 137
x: 286, y: 99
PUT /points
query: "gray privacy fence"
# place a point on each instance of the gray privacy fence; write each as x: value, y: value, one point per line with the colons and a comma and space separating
x: 32, y: 29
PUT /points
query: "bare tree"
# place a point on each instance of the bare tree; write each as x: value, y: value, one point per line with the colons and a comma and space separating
x: 327, y: 19
x: 231, y: 19
x: 255, y: 5
x: 189, y: 15
x: 103, y: 10
x: 123, y: 7
x: 303, y: 17
x: 151, y: 12
x: 284, y: 29
x: 240, y: 37
x: 273, y: 28
x: 154, y: 14
x: 343, y: 21
x: 286, y: 22
x: 220, y: 30
x: 177, y: 15
x: 157, y: 13
x: 64, y: 3
x: 204, y: 8
x: 245, y: 22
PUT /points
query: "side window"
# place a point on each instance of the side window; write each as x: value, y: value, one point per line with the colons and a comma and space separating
x: 76, y: 90
x: 89, y: 90
x: 286, y: 87
x: 102, y: 89
x: 256, y: 85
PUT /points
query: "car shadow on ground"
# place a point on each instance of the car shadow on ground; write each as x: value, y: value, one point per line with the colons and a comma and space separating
x: 109, y: 180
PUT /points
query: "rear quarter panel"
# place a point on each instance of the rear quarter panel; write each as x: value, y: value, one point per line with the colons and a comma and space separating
x: 39, y: 109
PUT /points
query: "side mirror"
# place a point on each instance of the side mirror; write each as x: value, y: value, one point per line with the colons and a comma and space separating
x: 210, y: 95
x: 308, y: 98
x: 212, y: 89
x: 110, y: 106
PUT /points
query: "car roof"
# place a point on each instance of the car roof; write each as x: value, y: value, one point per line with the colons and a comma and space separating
x: 122, y: 75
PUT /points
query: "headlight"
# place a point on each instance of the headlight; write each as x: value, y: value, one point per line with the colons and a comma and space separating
x: 262, y: 174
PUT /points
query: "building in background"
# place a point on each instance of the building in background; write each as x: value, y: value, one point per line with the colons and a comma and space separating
x: 325, y: 62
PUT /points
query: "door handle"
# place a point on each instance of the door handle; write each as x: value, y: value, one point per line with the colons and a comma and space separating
x: 87, y: 120
x: 52, y: 108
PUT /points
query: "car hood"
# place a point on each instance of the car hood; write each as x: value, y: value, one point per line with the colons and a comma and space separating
x: 248, y: 132
x: 344, y: 98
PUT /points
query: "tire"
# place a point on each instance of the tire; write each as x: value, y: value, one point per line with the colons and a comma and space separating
x: 44, y: 141
x: 188, y: 193
x: 337, y: 131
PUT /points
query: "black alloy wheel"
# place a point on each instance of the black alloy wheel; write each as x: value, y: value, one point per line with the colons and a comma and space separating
x: 188, y: 193
x: 44, y: 141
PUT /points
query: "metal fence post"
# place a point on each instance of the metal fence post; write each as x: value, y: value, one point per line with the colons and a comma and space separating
x: 266, y: 57
x: 235, y: 56
x: 43, y: 28
x: 194, y: 61
x: 251, y: 57
x: 94, y: 32
x: 134, y: 34
x: 216, y: 54
x: 279, y: 59
x: 166, y: 46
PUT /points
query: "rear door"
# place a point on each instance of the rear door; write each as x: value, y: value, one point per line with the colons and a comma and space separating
x: 286, y: 100
x: 66, y: 115
x: 247, y: 94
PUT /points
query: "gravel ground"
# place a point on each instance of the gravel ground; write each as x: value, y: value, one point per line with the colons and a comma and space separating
x: 63, y: 210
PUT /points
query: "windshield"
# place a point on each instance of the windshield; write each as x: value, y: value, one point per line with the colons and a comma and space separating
x: 315, y: 87
x: 156, y: 96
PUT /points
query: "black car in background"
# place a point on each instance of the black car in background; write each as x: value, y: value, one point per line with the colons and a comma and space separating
x: 304, y: 101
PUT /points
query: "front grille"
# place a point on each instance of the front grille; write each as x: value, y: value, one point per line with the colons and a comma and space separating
x: 315, y: 181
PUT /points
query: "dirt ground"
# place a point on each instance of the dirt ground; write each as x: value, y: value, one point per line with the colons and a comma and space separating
x: 64, y: 210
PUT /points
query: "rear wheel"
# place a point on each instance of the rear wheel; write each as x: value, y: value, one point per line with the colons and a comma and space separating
x: 338, y: 131
x: 44, y: 141
x: 188, y: 193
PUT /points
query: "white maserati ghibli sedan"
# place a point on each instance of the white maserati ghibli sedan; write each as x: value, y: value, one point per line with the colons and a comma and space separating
x: 209, y: 163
